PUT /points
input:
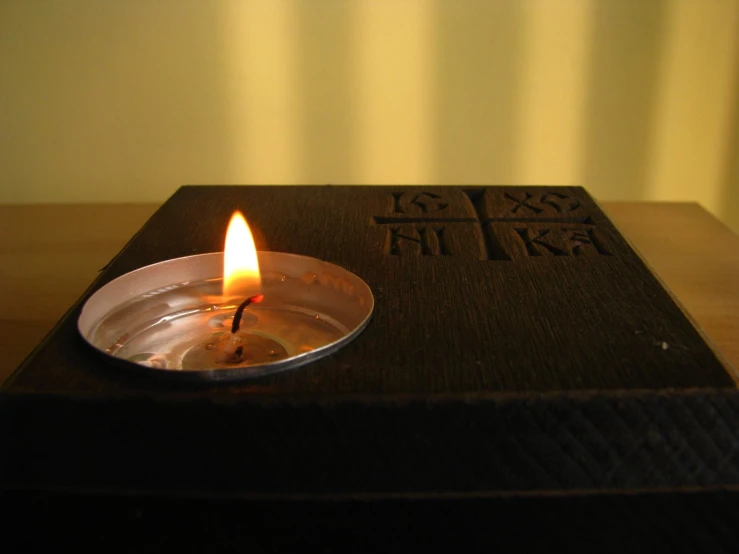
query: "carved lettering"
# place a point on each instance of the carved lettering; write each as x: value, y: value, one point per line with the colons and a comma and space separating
x: 522, y: 203
x: 492, y: 248
x: 560, y: 202
x: 411, y: 231
x: 430, y: 240
x: 532, y: 244
x: 427, y: 202
x: 397, y: 206
x: 581, y: 237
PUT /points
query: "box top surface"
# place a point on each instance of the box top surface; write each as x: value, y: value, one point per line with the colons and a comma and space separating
x: 497, y: 289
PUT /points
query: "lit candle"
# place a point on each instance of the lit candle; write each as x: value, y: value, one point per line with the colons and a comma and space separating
x: 241, y: 278
x: 233, y: 349
x: 197, y: 316
x: 241, y: 275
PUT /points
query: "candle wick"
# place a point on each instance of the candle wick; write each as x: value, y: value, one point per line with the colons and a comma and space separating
x: 240, y: 310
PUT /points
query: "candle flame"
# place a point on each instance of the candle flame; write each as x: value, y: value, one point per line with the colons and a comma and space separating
x: 240, y: 265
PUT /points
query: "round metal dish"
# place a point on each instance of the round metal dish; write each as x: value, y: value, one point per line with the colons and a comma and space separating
x: 169, y: 319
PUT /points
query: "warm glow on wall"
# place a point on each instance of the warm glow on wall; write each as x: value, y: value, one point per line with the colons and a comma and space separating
x: 127, y: 101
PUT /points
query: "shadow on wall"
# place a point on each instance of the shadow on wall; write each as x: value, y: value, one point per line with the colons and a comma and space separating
x: 730, y: 193
x: 477, y: 88
x: 108, y: 99
x: 126, y: 101
x: 327, y: 100
x: 623, y: 88
x: 480, y: 49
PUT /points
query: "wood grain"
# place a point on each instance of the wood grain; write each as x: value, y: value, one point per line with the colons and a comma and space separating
x: 544, y: 321
x: 531, y: 360
x: 696, y: 256
x: 74, y: 441
x: 49, y: 255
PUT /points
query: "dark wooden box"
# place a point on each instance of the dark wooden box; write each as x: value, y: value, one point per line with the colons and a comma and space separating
x: 521, y: 360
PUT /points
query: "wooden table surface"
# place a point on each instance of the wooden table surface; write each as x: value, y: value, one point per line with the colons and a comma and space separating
x: 50, y: 254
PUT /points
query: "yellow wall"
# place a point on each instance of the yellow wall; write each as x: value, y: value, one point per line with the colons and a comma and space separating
x: 125, y: 101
